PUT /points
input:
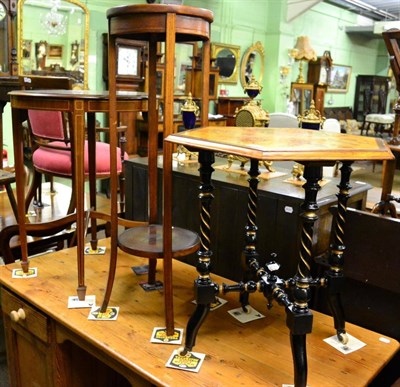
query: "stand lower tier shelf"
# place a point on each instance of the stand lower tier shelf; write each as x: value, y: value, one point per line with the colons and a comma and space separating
x: 147, y: 241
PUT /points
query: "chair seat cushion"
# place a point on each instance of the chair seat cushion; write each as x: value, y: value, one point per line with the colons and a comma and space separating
x: 380, y: 118
x: 58, y: 161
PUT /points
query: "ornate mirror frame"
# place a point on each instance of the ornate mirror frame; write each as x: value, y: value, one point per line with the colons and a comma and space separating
x: 83, y: 51
x: 216, y: 49
x: 8, y: 56
x: 249, y: 57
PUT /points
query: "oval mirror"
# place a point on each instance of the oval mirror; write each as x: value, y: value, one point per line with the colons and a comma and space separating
x: 53, y: 39
x: 252, y: 64
x: 226, y: 57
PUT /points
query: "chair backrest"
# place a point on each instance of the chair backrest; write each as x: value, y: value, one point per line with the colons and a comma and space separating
x: 283, y: 120
x: 331, y: 125
x: 47, y: 125
x: 48, y: 235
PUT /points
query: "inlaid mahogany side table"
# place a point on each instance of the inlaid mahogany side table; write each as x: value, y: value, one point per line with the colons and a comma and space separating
x: 81, y: 105
x: 171, y: 24
x: 313, y: 149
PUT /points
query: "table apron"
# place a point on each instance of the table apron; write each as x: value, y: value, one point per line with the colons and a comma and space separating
x: 66, y: 104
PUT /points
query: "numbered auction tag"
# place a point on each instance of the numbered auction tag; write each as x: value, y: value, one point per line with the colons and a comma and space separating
x: 191, y: 362
x: 19, y: 273
x: 160, y: 336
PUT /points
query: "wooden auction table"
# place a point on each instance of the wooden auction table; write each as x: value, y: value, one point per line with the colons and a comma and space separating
x: 73, y: 351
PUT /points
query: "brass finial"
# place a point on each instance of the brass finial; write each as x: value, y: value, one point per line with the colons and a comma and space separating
x: 253, y: 87
x: 311, y: 115
x: 190, y: 105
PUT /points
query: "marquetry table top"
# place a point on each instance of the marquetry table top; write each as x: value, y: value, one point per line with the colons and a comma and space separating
x: 284, y: 144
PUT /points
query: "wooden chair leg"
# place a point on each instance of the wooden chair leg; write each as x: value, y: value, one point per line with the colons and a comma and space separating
x: 122, y: 144
x: 51, y: 179
x: 72, y: 203
x: 32, y: 192
x: 11, y: 197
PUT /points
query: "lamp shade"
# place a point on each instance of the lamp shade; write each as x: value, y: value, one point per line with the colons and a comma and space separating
x: 304, y: 49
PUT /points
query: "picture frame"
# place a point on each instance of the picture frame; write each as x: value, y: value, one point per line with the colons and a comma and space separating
x: 55, y: 51
x: 340, y: 79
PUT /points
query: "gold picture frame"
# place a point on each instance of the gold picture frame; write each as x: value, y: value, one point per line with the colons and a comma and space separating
x: 55, y: 51
x: 340, y: 79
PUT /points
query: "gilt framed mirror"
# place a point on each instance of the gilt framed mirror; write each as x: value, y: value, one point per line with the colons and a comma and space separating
x: 226, y: 58
x: 53, y: 39
x: 252, y: 64
x: 8, y: 52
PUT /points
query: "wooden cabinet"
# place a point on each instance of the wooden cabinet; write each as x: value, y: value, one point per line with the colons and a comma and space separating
x: 28, y: 338
x: 278, y: 212
x: 301, y: 94
x: 193, y: 83
x: 370, y: 96
x: 41, y: 354
x: 227, y: 106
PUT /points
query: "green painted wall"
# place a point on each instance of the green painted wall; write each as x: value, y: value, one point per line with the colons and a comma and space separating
x: 243, y: 23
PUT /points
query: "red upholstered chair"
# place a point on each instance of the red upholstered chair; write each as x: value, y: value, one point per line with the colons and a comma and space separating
x: 52, y: 153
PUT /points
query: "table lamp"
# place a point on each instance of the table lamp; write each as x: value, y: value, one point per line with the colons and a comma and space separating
x: 303, y: 51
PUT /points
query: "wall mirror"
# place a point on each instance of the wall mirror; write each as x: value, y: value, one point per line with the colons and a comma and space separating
x: 226, y: 57
x: 183, y: 62
x: 53, y: 39
x: 252, y: 64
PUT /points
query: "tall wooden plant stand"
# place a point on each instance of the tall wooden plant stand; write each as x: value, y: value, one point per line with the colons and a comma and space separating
x: 170, y: 24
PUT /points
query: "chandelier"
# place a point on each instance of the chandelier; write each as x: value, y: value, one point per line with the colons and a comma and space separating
x: 55, y: 23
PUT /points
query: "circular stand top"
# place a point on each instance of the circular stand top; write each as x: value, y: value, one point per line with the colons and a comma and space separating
x: 161, y: 9
x: 148, y: 21
x: 147, y: 241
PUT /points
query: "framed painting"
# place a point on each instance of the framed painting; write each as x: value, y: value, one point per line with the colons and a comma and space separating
x: 55, y: 51
x: 340, y: 79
